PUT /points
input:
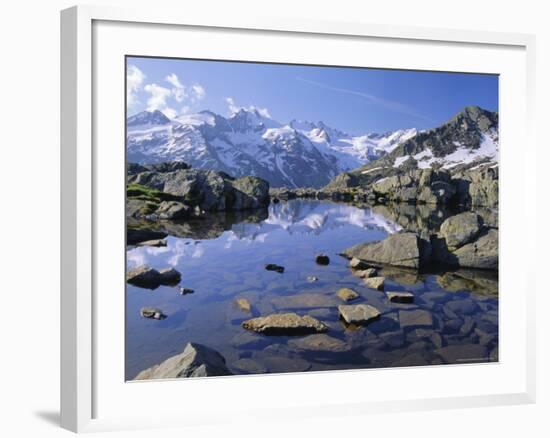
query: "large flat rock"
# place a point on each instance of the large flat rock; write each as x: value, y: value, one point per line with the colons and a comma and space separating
x: 358, y: 313
x: 285, y: 324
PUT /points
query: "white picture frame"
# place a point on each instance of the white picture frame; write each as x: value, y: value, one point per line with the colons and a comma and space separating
x: 82, y: 368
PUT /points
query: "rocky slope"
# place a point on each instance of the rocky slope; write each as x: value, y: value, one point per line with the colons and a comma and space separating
x: 297, y: 154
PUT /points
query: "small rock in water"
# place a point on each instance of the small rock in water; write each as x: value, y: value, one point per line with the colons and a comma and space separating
x: 322, y: 259
x: 285, y: 324
x: 400, y: 297
x: 186, y: 290
x: 358, y: 313
x: 358, y: 264
x: 347, y: 294
x: 375, y: 282
x: 152, y: 313
x: 243, y: 304
x: 366, y: 273
x: 274, y: 267
x: 312, y: 279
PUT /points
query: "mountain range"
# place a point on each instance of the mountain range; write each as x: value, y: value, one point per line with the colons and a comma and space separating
x: 302, y: 153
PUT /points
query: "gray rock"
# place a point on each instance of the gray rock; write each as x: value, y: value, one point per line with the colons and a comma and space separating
x: 285, y: 324
x: 481, y: 253
x: 152, y: 313
x: 415, y: 318
x: 358, y: 313
x: 196, y: 360
x: 376, y: 283
x: 346, y: 294
x: 462, y: 307
x: 243, y: 304
x: 460, y: 229
x: 303, y: 301
x: 400, y: 296
x: 319, y: 342
x: 249, y: 340
x: 173, y: 210
x: 401, y: 249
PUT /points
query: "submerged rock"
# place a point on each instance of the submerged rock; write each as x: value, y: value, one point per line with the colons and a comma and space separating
x: 375, y: 282
x: 152, y: 313
x: 285, y: 324
x: 248, y: 366
x: 322, y: 259
x: 415, y: 318
x: 463, y: 353
x: 358, y: 313
x: 320, y: 342
x: 196, y: 361
x: 274, y: 267
x: 400, y: 297
x: 346, y: 294
x: 243, y: 304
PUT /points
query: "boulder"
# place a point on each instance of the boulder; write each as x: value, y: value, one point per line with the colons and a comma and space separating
x: 366, y: 273
x: 460, y: 229
x: 358, y: 314
x: 207, y: 189
x: 346, y: 294
x: 196, y: 360
x: 285, y: 324
x: 401, y: 249
x: 376, y: 283
x: 151, y: 313
x: 482, y: 253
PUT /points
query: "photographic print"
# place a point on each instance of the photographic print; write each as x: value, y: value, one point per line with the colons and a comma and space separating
x: 296, y: 218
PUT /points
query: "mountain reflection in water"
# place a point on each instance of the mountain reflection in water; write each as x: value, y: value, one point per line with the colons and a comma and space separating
x: 222, y: 258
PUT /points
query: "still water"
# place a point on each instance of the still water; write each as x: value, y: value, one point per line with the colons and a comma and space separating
x: 223, y: 258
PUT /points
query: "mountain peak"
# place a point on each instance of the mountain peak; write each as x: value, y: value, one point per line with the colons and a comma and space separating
x: 155, y: 117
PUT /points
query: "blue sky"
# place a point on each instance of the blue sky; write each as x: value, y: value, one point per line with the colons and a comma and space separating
x: 356, y: 100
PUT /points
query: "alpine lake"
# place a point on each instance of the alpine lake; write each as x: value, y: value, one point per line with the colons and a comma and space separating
x: 452, y: 319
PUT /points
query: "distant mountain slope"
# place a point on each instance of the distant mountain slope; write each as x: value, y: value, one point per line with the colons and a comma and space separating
x: 467, y: 140
x: 297, y: 154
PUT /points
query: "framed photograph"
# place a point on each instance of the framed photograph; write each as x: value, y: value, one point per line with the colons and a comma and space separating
x: 326, y: 217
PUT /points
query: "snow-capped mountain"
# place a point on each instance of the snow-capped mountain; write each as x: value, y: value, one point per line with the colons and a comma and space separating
x: 467, y: 140
x: 297, y: 154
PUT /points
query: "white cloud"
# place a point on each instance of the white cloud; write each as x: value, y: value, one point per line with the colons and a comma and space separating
x: 158, y: 99
x: 134, y: 81
x: 178, y: 89
x: 198, y: 91
x: 234, y: 108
